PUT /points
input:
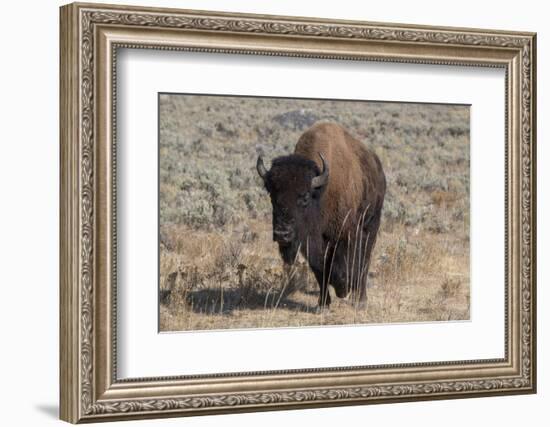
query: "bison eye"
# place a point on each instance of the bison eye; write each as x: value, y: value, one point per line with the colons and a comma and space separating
x: 304, y: 199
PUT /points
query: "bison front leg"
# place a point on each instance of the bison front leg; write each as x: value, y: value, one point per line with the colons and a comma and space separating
x: 315, y: 253
x: 322, y: 280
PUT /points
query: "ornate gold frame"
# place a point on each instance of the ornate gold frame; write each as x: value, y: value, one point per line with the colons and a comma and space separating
x: 90, y: 36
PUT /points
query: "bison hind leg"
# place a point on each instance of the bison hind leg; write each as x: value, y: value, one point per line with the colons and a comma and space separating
x: 370, y: 233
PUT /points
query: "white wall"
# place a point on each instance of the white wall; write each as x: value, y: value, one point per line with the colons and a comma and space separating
x: 29, y: 170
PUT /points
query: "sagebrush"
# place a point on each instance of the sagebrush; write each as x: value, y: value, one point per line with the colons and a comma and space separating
x: 218, y: 265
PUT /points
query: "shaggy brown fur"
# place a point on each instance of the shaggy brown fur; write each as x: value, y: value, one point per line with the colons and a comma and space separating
x: 356, y: 181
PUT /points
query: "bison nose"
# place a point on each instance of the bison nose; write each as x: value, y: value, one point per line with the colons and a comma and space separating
x: 283, y: 235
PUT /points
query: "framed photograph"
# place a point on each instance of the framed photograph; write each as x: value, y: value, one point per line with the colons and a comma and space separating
x: 266, y: 212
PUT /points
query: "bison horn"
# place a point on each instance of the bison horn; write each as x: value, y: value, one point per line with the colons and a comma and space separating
x: 262, y: 171
x: 322, y: 179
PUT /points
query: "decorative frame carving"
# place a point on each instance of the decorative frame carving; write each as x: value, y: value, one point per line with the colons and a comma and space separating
x: 90, y: 36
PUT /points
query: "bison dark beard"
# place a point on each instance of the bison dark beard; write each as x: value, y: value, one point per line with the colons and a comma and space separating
x: 289, y: 251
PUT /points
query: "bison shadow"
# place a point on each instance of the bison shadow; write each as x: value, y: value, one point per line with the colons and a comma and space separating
x: 216, y: 301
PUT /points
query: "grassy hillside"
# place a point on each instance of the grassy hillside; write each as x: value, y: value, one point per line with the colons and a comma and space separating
x: 219, y: 267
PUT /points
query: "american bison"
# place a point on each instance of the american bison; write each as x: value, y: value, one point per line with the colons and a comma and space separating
x: 327, y: 201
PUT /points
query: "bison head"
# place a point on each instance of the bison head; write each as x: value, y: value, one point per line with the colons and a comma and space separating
x: 295, y: 185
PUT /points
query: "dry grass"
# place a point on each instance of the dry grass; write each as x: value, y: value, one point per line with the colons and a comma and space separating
x: 219, y: 268
x: 232, y: 282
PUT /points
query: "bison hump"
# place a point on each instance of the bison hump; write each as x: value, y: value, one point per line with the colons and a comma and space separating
x: 353, y: 169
